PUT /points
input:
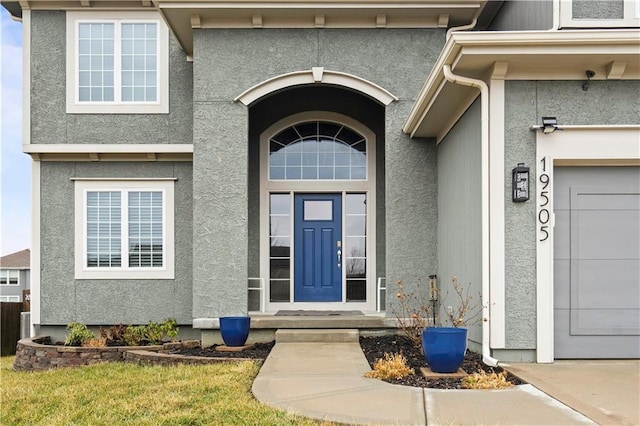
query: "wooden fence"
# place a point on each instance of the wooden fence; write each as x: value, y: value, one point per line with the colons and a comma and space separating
x: 9, y: 327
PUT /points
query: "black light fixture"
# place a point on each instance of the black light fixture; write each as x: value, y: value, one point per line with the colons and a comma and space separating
x: 589, y: 74
x: 520, y: 183
x: 549, y: 125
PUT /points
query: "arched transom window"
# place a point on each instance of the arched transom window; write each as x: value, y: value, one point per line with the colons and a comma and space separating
x: 318, y: 150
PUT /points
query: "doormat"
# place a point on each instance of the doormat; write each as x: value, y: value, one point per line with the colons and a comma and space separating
x: 302, y: 313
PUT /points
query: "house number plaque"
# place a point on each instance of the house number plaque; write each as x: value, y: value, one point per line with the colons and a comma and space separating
x: 543, y: 213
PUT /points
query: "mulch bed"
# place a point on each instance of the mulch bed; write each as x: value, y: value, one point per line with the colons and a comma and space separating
x: 374, y: 348
x: 258, y: 352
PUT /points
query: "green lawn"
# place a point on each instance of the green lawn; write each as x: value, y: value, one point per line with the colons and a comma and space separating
x: 121, y: 394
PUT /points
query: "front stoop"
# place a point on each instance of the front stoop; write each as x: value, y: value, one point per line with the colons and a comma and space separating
x: 317, y: 336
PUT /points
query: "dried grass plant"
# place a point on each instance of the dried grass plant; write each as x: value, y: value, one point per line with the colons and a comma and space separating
x: 392, y: 366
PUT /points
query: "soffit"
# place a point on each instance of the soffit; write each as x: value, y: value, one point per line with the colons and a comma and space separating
x: 549, y: 55
x: 184, y: 16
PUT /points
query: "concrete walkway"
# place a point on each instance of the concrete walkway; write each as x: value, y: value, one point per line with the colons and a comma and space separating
x: 325, y: 381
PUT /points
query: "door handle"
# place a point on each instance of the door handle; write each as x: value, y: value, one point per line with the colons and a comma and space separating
x: 339, y: 257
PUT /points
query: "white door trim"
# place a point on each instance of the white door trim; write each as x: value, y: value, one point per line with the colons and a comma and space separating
x: 577, y: 146
x: 367, y: 186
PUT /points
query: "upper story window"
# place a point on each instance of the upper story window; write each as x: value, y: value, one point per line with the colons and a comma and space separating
x: 116, y: 64
x: 124, y: 229
x: 318, y: 150
x: 9, y: 276
x: 599, y: 14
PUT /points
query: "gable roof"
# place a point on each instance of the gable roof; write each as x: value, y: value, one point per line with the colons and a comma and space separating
x: 17, y: 260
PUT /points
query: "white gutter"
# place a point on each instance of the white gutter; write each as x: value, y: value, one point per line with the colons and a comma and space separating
x: 469, y: 26
x: 484, y: 99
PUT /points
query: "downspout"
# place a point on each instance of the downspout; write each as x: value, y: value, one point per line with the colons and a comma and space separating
x: 469, y: 26
x: 484, y: 99
x: 556, y: 16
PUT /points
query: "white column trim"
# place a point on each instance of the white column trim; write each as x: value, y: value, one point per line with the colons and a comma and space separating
x: 580, y: 145
x: 26, y: 76
x: 497, y: 215
x: 35, y: 246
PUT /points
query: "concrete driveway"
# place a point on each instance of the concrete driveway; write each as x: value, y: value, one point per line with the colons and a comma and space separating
x: 606, y: 391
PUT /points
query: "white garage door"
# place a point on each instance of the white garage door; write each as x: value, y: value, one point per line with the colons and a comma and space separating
x: 597, y: 262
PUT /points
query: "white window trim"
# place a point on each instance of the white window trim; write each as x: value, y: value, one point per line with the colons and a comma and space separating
x: 82, y: 272
x: 9, y: 298
x: 321, y: 186
x: 631, y: 17
x: 596, y: 145
x: 161, y: 106
x: 8, y: 284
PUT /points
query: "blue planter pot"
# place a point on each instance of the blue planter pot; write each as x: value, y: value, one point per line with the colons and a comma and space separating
x: 234, y: 330
x: 444, y: 348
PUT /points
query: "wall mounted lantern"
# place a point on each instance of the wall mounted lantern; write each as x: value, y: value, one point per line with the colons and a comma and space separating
x: 520, y: 183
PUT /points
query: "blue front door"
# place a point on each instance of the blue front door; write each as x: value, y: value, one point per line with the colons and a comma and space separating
x: 318, y: 248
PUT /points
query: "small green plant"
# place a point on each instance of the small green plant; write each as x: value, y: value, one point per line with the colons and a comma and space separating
x: 482, y: 380
x: 170, y: 328
x: 134, y: 334
x: 392, y: 366
x: 152, y: 333
x: 78, y: 334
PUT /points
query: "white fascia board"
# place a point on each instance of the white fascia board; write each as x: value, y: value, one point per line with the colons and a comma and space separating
x: 433, y: 86
x: 514, y: 43
x: 107, y: 148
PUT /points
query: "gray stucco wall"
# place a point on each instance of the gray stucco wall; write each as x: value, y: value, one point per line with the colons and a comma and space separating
x: 598, y: 9
x: 460, y: 211
x: 51, y: 124
x: 523, y: 15
x: 606, y: 102
x: 226, y: 63
x: 411, y: 207
x: 65, y: 299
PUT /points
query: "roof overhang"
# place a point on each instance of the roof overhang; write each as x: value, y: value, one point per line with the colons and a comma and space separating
x: 109, y: 152
x: 530, y: 55
x: 183, y: 16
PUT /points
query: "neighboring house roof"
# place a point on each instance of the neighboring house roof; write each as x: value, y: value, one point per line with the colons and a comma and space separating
x: 18, y: 260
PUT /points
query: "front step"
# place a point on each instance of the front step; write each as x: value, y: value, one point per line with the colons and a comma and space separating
x: 317, y: 336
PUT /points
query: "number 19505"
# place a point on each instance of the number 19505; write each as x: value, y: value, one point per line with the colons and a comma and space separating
x: 543, y: 214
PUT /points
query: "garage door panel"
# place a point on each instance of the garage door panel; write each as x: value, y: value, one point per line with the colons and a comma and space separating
x: 610, y: 284
x: 562, y: 287
x: 597, y: 291
x: 605, y: 234
x: 593, y: 200
x: 562, y: 234
x: 603, y: 322
x: 576, y: 346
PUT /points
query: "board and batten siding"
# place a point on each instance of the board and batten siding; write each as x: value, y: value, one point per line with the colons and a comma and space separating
x: 460, y: 210
x: 523, y: 16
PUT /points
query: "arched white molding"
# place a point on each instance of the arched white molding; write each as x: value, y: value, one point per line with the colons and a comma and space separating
x: 316, y: 75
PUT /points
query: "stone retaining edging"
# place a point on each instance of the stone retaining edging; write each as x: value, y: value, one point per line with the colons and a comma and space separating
x: 145, y: 357
x: 38, y: 354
